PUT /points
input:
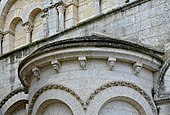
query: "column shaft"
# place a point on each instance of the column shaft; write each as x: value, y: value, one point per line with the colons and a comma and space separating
x: 61, y: 11
x: 97, y: 7
x: 1, y: 38
x: 28, y: 27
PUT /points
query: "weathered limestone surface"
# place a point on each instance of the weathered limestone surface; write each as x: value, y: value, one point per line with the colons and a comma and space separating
x: 26, y: 25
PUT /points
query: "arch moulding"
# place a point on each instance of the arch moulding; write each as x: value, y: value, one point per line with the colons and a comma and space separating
x: 57, y: 92
x: 106, y: 87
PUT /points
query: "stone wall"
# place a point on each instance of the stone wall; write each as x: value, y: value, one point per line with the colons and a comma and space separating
x: 146, y: 23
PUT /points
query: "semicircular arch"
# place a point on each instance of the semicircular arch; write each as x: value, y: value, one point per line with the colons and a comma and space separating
x: 11, y: 19
x: 31, y: 11
x: 129, y: 94
x: 57, y: 92
x: 6, y: 5
x: 20, y: 97
x: 129, y: 101
x: 17, y: 107
x: 54, y: 105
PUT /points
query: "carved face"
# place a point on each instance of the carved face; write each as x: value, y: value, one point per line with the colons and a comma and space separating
x: 137, y: 69
x: 83, y: 64
x: 111, y: 64
x: 56, y: 66
x: 36, y: 73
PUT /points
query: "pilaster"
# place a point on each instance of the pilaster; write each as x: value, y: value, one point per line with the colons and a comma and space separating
x: 71, y: 14
x: 45, y: 16
x: 8, y: 41
x: 52, y: 17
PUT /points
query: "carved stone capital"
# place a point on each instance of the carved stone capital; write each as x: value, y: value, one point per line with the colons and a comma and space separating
x: 137, y: 67
x: 9, y: 32
x: 82, y: 60
x: 28, y: 27
x: 61, y: 9
x: 56, y: 65
x: 36, y: 72
x: 111, y: 62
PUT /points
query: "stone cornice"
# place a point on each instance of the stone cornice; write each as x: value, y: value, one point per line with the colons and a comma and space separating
x: 92, y: 95
x: 11, y: 94
x: 89, y: 41
x: 96, y: 41
x: 53, y: 6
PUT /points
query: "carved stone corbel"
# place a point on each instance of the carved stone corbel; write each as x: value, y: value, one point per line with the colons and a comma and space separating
x: 137, y: 67
x: 36, y: 72
x: 82, y: 60
x: 25, y: 81
x: 56, y: 65
x: 111, y: 62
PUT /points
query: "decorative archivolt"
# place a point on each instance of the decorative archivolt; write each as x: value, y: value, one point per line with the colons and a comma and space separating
x: 126, y: 84
x: 92, y: 95
x: 48, y: 87
x: 10, y: 95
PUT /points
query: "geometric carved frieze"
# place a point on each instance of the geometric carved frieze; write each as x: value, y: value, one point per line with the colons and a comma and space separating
x: 92, y: 95
x: 13, y: 93
x: 48, y: 87
x: 126, y: 84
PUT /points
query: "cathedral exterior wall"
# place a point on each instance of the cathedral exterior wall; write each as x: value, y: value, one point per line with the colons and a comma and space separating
x: 26, y: 26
